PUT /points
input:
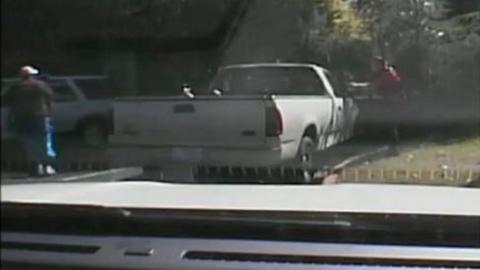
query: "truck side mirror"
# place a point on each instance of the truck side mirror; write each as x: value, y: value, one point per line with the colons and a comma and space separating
x: 358, y: 89
x: 187, y: 91
x: 217, y: 92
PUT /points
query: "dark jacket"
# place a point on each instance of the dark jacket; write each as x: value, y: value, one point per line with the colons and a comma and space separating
x: 31, y: 98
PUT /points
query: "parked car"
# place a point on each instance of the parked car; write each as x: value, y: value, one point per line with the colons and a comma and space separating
x: 256, y: 115
x: 82, y: 104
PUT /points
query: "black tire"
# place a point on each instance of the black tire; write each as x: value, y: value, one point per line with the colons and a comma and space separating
x: 305, y: 161
x: 94, y: 134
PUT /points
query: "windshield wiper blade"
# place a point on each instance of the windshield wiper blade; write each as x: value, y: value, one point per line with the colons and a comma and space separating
x: 237, y: 219
x: 9, y: 209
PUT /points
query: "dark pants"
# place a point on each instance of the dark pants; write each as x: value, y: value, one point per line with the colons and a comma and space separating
x: 395, y: 113
x: 35, y: 135
x: 384, y: 118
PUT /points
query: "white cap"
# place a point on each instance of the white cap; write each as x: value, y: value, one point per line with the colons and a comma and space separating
x: 28, y: 70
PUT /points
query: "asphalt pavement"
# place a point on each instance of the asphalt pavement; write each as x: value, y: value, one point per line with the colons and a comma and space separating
x: 75, y: 157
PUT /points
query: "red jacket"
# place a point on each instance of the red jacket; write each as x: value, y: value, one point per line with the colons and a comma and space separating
x: 388, y: 85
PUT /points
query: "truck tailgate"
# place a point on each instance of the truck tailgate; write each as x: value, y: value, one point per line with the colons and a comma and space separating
x: 201, y: 122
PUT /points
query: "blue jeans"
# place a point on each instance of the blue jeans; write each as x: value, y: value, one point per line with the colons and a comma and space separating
x: 35, y: 135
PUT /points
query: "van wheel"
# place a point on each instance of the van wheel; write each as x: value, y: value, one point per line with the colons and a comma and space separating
x: 305, y: 159
x: 94, y: 134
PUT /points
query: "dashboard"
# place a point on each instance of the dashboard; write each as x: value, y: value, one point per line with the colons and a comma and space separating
x: 123, y: 225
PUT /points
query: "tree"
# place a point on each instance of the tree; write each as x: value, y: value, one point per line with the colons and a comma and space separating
x: 344, y: 21
x: 340, y: 36
x: 91, y: 22
x: 461, y: 7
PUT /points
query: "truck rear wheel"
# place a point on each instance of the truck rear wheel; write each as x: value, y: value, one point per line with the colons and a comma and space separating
x: 305, y: 159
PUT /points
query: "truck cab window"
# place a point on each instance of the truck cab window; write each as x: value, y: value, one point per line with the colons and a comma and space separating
x: 269, y: 80
x: 95, y: 89
x: 62, y: 91
x: 308, y: 83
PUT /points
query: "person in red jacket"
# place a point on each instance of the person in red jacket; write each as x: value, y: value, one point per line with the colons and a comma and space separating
x: 386, y: 83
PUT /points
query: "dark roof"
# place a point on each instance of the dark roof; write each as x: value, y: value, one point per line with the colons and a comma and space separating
x: 171, y: 26
x: 124, y: 24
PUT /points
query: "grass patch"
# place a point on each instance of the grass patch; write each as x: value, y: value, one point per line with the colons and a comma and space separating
x: 460, y: 153
x: 452, y: 161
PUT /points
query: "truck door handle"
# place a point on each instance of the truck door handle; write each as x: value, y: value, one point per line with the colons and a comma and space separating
x: 249, y: 133
x: 340, y: 108
x: 184, y: 108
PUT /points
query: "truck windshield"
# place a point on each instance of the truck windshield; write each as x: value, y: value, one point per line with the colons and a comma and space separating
x: 270, y: 80
x: 96, y: 88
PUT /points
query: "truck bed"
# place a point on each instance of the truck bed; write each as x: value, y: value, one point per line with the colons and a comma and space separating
x: 199, y: 122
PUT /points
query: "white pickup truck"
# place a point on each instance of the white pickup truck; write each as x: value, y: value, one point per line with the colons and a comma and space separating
x: 254, y: 115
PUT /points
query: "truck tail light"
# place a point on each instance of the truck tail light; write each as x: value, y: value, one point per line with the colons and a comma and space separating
x: 273, y: 120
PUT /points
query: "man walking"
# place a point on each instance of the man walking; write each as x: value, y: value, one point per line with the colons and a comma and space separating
x: 31, y: 105
x: 387, y: 84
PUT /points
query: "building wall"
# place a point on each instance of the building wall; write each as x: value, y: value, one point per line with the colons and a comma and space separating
x: 268, y: 31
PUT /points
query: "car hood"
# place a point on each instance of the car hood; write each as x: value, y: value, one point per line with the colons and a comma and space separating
x: 368, y: 198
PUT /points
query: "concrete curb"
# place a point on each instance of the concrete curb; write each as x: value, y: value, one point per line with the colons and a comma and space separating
x: 70, y: 166
x: 101, y: 176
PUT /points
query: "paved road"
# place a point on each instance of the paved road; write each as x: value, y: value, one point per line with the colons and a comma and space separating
x: 73, y: 156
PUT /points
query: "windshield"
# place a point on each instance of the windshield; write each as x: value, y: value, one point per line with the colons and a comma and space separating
x: 270, y: 80
x: 279, y: 91
x: 127, y: 98
x: 96, y: 88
